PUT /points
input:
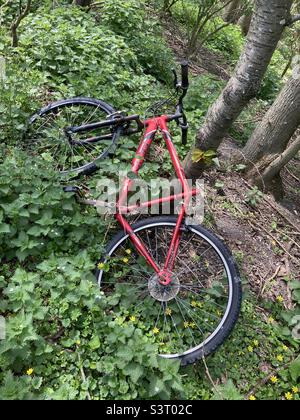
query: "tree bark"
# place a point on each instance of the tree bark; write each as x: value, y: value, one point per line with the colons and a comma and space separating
x: 271, y: 137
x: 244, y: 23
x: 275, y: 167
x: 16, y: 23
x: 232, y: 12
x: 265, y: 31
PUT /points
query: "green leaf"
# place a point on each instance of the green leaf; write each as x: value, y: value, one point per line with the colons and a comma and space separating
x: 4, y: 228
x: 203, y: 156
x: 94, y: 343
x: 135, y: 371
x: 294, y: 369
x: 156, y: 387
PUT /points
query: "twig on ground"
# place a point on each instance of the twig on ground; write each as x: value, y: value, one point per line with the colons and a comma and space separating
x: 211, y: 379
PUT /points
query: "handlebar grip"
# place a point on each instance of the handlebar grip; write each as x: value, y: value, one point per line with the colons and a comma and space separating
x: 185, y: 74
x: 184, y: 135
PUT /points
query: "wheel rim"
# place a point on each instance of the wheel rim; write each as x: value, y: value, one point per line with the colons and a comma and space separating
x: 46, y: 137
x: 188, y: 319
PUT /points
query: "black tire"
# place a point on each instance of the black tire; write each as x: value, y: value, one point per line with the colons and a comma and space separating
x: 39, y: 132
x: 210, y: 345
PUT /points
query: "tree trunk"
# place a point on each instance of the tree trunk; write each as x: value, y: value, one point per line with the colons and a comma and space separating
x: 232, y: 12
x: 271, y: 137
x: 275, y: 167
x: 265, y: 31
x: 244, y: 23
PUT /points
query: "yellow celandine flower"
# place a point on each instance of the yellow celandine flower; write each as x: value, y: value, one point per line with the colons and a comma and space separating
x: 194, y: 303
x: 100, y: 266
x: 256, y: 343
x: 29, y: 372
x: 186, y: 324
x: 155, y: 330
x: 219, y: 313
x: 250, y: 349
x: 295, y: 389
x: 279, y: 358
x: 274, y: 379
x: 279, y: 299
x: 132, y: 318
x: 128, y: 251
x: 78, y: 342
x: 168, y: 311
x: 252, y: 398
x: 288, y: 396
x: 192, y: 324
x: 270, y: 320
x: 125, y: 260
x: 285, y: 348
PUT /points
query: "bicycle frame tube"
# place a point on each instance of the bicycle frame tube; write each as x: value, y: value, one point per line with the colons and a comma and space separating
x: 152, y: 127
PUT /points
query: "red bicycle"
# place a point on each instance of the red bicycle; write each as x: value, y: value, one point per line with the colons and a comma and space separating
x: 177, y: 282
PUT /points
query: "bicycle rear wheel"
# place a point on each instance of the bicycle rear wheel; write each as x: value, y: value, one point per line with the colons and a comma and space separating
x: 47, y: 139
x: 193, y: 315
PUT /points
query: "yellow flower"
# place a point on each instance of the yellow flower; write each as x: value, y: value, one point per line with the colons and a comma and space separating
x: 270, y: 320
x: 29, y: 372
x: 279, y: 358
x: 256, y: 343
x: 192, y: 324
x: 295, y: 389
x: 168, y: 311
x: 100, y: 266
x: 219, y: 313
x: 125, y: 260
x: 194, y: 303
x: 250, y: 349
x: 274, y: 379
x: 132, y: 318
x: 186, y: 324
x: 279, y: 299
x: 155, y: 330
x: 252, y: 398
x: 285, y: 348
x: 288, y: 396
x: 128, y: 251
x: 78, y: 342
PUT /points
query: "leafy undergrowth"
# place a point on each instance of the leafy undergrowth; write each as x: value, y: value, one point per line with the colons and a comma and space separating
x: 62, y: 340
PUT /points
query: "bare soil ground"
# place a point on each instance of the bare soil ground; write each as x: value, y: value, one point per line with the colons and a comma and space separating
x: 265, y: 237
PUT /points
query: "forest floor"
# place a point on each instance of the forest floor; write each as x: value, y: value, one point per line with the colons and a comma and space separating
x: 264, y: 235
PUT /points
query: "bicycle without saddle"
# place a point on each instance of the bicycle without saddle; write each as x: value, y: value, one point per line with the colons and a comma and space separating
x: 177, y: 282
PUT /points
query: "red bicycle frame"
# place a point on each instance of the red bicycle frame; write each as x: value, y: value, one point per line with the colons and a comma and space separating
x: 154, y: 125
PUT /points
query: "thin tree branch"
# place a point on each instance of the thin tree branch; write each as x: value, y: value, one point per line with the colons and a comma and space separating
x: 14, y: 26
x: 282, y: 160
x: 293, y: 20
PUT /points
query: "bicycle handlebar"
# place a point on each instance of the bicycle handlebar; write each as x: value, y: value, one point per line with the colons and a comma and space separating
x: 118, y: 120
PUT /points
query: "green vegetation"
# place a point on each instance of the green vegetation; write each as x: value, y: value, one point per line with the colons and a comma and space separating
x: 63, y: 341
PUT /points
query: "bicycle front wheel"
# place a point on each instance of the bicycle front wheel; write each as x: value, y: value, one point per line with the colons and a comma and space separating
x: 195, y: 313
x: 46, y: 137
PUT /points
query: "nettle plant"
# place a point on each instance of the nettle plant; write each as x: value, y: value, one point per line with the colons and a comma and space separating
x: 62, y: 339
x: 36, y: 217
